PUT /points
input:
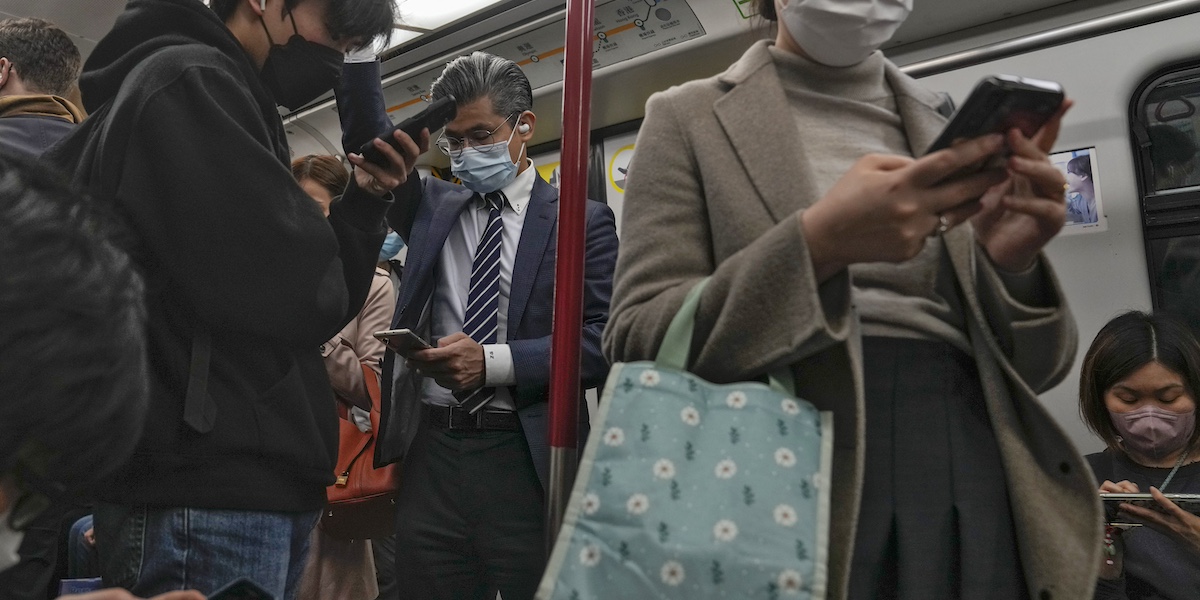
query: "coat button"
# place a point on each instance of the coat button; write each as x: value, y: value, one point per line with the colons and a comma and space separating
x: 1065, y: 468
x: 1044, y: 595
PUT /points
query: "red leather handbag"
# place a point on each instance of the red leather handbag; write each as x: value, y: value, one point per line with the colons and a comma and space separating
x: 362, y: 501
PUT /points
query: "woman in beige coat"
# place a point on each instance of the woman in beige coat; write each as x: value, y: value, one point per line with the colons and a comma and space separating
x: 909, y: 297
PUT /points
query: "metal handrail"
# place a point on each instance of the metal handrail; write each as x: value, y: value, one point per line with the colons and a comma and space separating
x: 1054, y: 37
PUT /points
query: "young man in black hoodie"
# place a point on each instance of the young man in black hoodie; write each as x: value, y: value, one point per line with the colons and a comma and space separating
x: 245, y: 278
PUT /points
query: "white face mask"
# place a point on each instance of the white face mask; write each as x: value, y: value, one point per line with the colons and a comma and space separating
x: 10, y: 541
x: 840, y: 33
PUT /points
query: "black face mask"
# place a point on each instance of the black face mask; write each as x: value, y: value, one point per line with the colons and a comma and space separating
x: 300, y: 71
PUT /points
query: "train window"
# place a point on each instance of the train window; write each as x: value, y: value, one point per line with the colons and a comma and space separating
x: 1165, y: 130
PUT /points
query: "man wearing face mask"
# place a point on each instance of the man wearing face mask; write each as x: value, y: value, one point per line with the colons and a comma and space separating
x: 246, y: 278
x: 468, y: 419
x: 907, y: 293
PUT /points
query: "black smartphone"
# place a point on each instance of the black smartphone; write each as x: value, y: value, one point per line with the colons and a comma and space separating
x: 402, y: 341
x: 241, y: 589
x: 434, y: 117
x: 1000, y: 103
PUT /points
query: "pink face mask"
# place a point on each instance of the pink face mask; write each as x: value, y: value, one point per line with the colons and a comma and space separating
x: 1152, y: 431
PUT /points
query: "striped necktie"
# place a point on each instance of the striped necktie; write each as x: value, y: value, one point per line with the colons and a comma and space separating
x: 481, y: 317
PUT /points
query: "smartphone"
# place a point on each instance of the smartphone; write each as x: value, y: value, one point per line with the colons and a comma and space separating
x: 402, y: 341
x: 241, y: 589
x: 1000, y: 103
x: 1112, y: 502
x: 434, y: 117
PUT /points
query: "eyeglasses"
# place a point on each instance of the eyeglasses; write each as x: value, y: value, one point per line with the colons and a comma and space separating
x: 481, y: 139
x: 29, y: 503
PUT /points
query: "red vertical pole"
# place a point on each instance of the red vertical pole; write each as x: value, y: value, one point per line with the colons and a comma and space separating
x: 568, y: 282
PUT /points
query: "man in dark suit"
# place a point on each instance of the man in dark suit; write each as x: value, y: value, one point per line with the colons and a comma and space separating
x: 479, y: 285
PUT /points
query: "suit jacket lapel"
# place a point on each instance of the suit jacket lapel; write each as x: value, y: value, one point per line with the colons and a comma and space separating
x: 768, y: 148
x: 418, y: 274
x: 535, y: 235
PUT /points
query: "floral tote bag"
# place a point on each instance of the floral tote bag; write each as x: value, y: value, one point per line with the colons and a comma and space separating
x: 688, y: 489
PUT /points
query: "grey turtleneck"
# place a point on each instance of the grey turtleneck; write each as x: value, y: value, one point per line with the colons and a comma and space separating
x: 844, y: 113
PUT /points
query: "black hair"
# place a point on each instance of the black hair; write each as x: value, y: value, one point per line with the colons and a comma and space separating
x: 1080, y: 165
x: 46, y: 58
x: 73, y: 370
x: 1126, y: 344
x: 483, y: 75
x: 766, y: 9
x: 368, y: 20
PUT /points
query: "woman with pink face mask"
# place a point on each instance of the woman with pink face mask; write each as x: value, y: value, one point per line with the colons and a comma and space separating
x: 1137, y: 392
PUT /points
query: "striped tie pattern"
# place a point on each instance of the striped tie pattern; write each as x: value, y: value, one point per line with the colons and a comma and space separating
x: 481, y: 317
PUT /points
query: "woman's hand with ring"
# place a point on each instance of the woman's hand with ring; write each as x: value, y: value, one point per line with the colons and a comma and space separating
x: 885, y: 207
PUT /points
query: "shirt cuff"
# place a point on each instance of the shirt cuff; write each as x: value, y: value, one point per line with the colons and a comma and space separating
x: 498, y: 365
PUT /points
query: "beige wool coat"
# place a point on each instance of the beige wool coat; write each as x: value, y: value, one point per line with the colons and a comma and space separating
x: 715, y: 190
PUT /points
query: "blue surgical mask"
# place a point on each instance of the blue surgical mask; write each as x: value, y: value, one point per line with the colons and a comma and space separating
x: 485, y: 169
x: 392, y: 245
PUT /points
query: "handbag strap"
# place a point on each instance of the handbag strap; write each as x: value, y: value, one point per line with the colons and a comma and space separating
x: 677, y: 343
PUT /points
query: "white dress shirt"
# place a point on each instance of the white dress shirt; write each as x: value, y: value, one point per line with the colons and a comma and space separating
x: 453, y: 280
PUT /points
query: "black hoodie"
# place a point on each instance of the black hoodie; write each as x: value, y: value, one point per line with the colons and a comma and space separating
x: 245, y: 276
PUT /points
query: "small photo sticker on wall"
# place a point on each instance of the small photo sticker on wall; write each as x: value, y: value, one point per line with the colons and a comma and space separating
x: 1085, y: 208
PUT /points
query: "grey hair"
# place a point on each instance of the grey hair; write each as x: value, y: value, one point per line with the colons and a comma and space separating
x: 482, y: 75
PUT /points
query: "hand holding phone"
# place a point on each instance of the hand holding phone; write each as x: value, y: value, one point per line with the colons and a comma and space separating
x: 402, y: 341
x: 1000, y: 103
x: 434, y: 117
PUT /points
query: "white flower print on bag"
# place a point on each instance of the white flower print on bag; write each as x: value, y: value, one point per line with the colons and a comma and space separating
x: 664, y: 469
x: 690, y: 416
x: 784, y: 457
x: 650, y: 378
x: 726, y: 469
x: 637, y: 504
x: 790, y: 582
x: 736, y: 399
x: 615, y: 436
x: 672, y: 573
x: 589, y: 556
x: 785, y: 515
x: 591, y: 503
x: 790, y: 406
x: 725, y: 530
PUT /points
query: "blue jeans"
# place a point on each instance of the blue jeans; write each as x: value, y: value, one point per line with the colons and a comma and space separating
x: 151, y: 551
x: 82, y: 561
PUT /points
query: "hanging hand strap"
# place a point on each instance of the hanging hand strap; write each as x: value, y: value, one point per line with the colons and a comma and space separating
x: 677, y: 343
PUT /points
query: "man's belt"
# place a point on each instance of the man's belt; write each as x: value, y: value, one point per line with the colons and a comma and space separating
x: 455, y: 417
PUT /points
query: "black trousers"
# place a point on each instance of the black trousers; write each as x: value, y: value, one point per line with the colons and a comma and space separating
x: 935, y: 522
x: 469, y: 517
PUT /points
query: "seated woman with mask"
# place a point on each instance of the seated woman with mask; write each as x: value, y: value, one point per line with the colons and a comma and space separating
x: 789, y: 181
x: 1137, y: 392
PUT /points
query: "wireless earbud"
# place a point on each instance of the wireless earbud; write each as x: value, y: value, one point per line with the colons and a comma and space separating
x: 262, y: 5
x: 523, y: 128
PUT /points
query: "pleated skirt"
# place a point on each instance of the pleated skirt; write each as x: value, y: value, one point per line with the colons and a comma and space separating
x: 935, y: 520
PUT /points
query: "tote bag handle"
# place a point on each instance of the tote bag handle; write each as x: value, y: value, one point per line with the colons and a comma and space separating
x: 677, y: 343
